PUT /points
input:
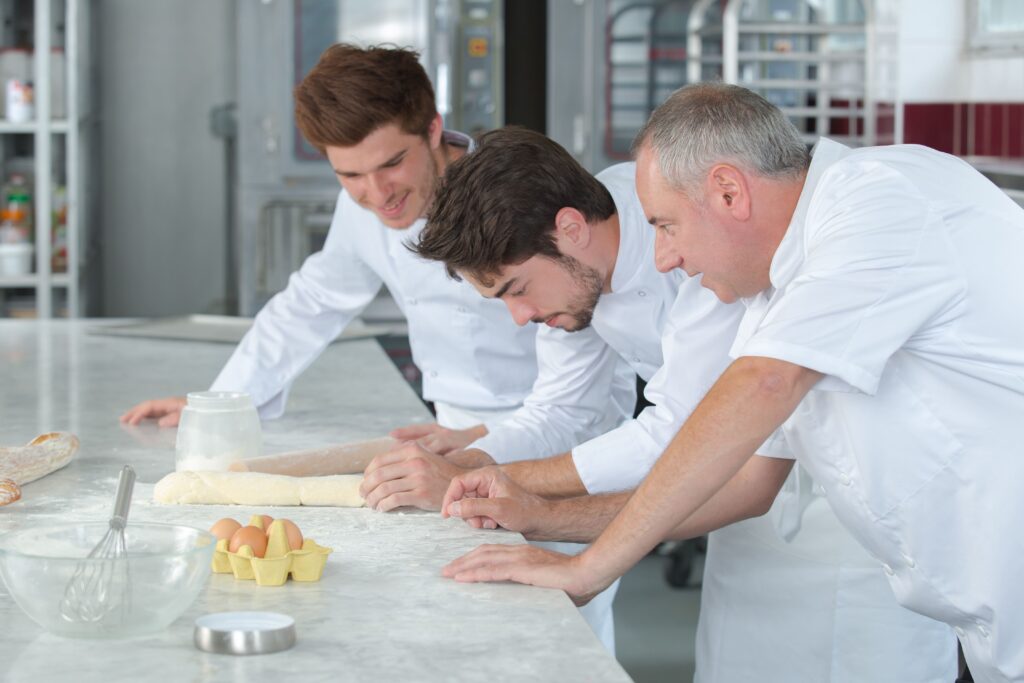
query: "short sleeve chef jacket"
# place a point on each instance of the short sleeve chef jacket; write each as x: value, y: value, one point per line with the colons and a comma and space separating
x: 900, y: 278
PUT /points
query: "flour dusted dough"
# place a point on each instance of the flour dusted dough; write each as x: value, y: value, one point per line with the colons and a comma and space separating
x: 256, y: 488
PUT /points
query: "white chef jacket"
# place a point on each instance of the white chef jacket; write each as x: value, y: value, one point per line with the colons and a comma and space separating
x: 899, y: 278
x: 471, y: 353
x: 816, y: 594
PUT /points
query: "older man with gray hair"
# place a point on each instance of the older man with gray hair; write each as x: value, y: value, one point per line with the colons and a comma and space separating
x: 883, y: 337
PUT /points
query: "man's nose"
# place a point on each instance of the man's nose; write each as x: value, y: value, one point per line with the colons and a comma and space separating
x: 521, y: 312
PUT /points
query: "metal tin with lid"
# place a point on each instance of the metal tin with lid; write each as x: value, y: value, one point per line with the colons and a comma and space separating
x: 244, y: 633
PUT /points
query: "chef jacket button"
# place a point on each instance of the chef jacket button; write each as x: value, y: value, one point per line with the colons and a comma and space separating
x: 641, y: 293
x: 983, y: 631
x: 909, y: 560
x: 433, y: 373
x: 635, y: 359
x: 412, y: 301
x: 888, y: 569
x: 959, y: 631
x: 462, y: 309
x: 844, y: 479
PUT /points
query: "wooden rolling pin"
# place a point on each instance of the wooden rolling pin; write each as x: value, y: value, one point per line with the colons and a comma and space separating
x: 346, y: 458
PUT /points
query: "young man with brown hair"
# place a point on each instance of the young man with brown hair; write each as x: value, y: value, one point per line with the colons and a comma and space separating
x: 371, y: 112
x: 524, y: 223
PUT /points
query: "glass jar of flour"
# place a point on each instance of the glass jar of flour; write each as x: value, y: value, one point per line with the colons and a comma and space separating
x: 216, y: 429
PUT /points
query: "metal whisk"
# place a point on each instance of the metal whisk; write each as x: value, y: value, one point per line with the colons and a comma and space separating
x: 100, y: 584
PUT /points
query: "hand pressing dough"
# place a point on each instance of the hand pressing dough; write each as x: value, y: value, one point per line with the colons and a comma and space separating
x: 256, y: 488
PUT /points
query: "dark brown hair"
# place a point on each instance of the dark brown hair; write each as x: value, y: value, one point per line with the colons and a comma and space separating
x: 353, y: 91
x: 496, y: 206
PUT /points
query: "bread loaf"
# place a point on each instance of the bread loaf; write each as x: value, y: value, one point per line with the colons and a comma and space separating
x: 9, y: 492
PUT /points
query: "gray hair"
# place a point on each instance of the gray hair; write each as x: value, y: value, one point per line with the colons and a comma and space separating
x: 704, y: 124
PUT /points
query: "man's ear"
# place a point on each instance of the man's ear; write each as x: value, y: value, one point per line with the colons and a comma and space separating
x: 572, y: 232
x: 435, y: 131
x: 729, y: 191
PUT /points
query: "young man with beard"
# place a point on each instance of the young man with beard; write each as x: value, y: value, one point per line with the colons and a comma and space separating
x: 371, y: 112
x: 524, y: 223
x: 882, y: 333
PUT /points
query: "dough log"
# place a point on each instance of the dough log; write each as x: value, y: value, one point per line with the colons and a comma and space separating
x: 257, y: 488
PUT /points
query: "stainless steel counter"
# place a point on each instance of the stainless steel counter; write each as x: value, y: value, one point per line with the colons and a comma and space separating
x: 381, y: 612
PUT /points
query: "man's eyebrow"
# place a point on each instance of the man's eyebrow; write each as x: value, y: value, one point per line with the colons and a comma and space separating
x: 390, y: 161
x: 504, y: 288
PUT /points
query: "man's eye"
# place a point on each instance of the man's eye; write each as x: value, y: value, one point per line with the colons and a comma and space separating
x: 519, y: 292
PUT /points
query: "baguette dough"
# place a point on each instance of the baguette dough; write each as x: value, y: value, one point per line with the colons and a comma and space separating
x: 256, y: 488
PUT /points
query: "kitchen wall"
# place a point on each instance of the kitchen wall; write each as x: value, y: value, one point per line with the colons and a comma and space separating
x: 162, y: 64
x: 955, y: 99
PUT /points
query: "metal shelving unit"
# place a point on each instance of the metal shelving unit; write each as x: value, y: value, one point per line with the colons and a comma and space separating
x: 62, y: 138
x: 811, y: 59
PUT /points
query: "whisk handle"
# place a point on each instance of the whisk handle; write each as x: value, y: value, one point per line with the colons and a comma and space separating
x: 124, y: 495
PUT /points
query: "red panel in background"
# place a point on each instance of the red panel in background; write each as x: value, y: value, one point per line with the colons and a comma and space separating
x: 991, y: 129
x: 1015, y: 131
x: 930, y: 124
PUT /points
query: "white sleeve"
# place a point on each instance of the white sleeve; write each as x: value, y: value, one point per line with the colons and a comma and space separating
x: 583, y: 388
x: 290, y: 332
x: 875, y: 275
x: 695, y: 347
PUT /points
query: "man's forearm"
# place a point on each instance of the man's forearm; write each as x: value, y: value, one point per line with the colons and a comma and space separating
x: 748, y: 402
x: 580, y: 519
x: 748, y: 494
x: 550, y: 477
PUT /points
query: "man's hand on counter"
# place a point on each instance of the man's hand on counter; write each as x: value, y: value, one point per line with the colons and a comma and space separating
x: 167, y: 411
x: 531, y: 565
x: 408, y: 475
x: 487, y: 498
x: 437, y: 439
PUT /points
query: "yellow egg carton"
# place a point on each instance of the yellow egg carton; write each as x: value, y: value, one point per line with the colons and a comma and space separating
x: 305, y: 564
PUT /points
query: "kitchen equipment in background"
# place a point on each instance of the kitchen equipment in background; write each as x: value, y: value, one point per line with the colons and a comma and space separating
x: 286, y: 190
x: 244, y: 633
x: 217, y: 428
x: 15, y: 258
x: 829, y: 66
x: 167, y: 566
x: 100, y: 584
x: 18, y: 101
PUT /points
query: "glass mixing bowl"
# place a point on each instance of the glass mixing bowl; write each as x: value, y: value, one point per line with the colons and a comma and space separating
x: 161, y: 574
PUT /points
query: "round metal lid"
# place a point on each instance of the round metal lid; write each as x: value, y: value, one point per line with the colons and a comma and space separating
x: 244, y: 633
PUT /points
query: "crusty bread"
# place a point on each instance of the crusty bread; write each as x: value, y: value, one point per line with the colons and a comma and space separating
x: 9, y: 492
x: 44, y: 454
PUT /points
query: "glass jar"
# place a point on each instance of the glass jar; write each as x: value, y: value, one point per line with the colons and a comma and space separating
x: 216, y: 429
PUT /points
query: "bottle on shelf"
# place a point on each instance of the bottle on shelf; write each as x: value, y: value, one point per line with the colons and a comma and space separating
x: 59, y: 258
x: 17, y: 211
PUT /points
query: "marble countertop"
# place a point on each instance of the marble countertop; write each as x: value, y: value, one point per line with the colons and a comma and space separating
x: 381, y: 611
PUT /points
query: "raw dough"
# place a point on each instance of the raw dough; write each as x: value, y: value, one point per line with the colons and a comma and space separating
x: 256, y: 488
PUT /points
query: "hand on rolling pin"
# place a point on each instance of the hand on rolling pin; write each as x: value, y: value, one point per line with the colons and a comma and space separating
x: 527, y: 564
x: 487, y: 498
x: 438, y: 439
x: 167, y: 411
x: 408, y: 475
